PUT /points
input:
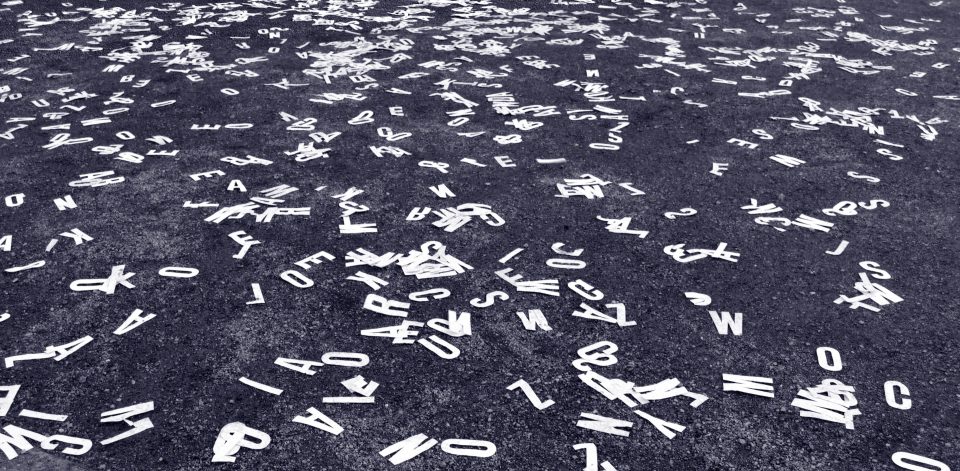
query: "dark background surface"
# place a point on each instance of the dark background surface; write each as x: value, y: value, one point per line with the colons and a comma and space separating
x: 188, y: 359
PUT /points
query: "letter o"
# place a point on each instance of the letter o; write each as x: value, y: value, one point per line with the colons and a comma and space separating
x: 179, y: 272
x: 297, y: 279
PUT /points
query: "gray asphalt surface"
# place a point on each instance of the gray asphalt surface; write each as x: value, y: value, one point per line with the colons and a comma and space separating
x: 864, y: 93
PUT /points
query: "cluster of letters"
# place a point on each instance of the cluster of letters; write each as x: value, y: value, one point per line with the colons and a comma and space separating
x: 256, y: 110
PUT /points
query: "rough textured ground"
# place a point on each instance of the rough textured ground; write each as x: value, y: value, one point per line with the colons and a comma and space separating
x: 856, y: 102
